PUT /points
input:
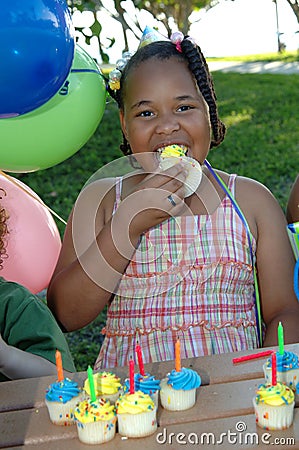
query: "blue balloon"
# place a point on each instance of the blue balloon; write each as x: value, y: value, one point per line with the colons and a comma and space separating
x: 36, y: 53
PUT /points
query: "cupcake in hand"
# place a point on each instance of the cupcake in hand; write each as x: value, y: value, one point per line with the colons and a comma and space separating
x: 173, y: 154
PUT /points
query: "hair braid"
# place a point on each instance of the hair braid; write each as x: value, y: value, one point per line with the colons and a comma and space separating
x: 200, y: 70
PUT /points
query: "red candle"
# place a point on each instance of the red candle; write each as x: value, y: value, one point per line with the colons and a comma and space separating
x: 274, y: 369
x: 131, y: 376
x: 140, y: 360
x: 59, y: 365
x: 177, y: 356
x: 252, y: 356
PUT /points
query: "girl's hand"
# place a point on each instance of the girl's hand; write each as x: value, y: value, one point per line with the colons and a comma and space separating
x: 149, y: 203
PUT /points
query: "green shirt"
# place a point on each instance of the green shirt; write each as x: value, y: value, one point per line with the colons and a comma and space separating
x: 28, y: 324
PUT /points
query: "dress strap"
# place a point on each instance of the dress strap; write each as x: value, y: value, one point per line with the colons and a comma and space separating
x: 118, y: 189
x: 245, y: 223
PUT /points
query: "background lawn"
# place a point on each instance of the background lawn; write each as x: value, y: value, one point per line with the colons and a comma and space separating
x: 262, y: 142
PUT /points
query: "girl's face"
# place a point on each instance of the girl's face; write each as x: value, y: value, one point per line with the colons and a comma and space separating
x: 163, y: 106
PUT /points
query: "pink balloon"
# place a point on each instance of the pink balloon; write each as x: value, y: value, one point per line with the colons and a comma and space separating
x: 33, y: 242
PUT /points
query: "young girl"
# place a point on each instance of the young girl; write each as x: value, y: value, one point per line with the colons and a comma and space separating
x: 29, y: 334
x: 172, y: 267
x: 293, y: 203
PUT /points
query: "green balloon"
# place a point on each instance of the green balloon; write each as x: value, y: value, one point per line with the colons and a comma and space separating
x: 59, y: 128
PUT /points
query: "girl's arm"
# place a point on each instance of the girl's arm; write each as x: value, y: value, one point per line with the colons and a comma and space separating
x: 97, y: 246
x: 274, y: 260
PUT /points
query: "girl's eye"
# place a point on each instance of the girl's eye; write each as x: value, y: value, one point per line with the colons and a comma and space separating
x: 145, y: 114
x: 185, y: 108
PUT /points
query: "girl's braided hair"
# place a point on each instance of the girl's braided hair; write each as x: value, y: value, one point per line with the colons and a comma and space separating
x: 195, y: 59
x: 3, y: 232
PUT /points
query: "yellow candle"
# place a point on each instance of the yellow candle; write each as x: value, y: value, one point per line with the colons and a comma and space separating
x: 177, y: 356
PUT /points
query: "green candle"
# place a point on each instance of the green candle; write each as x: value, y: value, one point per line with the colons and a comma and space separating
x: 280, y: 339
x: 93, y: 396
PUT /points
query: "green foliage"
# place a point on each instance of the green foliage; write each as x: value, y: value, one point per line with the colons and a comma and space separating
x: 261, y: 113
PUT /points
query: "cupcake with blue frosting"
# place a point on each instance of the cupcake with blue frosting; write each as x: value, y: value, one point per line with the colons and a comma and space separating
x: 178, y: 389
x: 61, y: 400
x: 287, y: 369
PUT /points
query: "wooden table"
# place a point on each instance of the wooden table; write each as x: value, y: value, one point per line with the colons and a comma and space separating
x: 223, y: 416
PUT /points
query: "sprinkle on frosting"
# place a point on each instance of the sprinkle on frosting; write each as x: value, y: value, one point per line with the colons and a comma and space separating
x: 174, y: 150
x: 134, y: 403
x: 277, y: 395
x: 105, y: 383
x: 285, y: 362
x: 62, y: 391
x: 88, y: 411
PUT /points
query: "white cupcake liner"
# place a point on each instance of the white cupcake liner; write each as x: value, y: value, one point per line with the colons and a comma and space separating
x: 194, y: 176
x: 176, y: 399
x: 96, y: 432
x: 288, y: 377
x: 62, y: 413
x: 137, y: 425
x: 271, y: 417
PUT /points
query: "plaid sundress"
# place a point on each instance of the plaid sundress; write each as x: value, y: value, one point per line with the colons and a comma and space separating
x: 191, y: 278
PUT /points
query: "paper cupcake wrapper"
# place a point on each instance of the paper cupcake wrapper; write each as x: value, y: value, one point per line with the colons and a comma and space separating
x: 195, y: 172
x: 273, y: 417
x: 176, y: 400
x: 293, y: 233
x: 62, y: 413
x: 96, y: 432
x: 288, y: 377
x: 137, y: 425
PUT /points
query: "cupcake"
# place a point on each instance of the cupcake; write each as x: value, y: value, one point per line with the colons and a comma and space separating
x: 61, y: 400
x: 147, y: 384
x: 136, y: 415
x: 274, y: 406
x: 107, y: 385
x: 178, y: 389
x: 287, y: 369
x: 173, y: 154
x: 96, y: 421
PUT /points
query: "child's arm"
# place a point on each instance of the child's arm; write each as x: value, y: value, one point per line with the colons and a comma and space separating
x: 82, y: 286
x: 16, y: 363
x: 292, y: 212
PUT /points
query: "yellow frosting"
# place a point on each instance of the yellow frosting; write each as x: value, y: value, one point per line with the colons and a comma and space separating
x: 173, y: 151
x: 134, y: 403
x: 277, y: 395
x: 105, y: 383
x: 88, y: 411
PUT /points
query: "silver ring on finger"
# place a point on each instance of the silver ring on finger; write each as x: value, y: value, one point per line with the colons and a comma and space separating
x: 171, y: 200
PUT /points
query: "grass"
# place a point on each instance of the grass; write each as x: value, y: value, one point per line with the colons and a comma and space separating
x: 262, y: 142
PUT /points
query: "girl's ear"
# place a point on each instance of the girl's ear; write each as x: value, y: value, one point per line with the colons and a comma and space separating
x: 123, y: 123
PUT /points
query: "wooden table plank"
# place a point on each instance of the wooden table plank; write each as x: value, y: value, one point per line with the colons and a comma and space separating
x: 226, y: 433
x: 33, y: 426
